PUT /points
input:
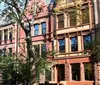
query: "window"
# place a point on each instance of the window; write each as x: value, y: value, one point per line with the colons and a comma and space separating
x: 43, y: 27
x: 0, y: 37
x: 75, y: 71
x: 85, y: 16
x: 37, y: 49
x: 61, y: 72
x: 48, y: 74
x: 88, y: 71
x: 74, y: 46
x: 0, y: 52
x: 43, y: 47
x: 87, y: 39
x: 10, y: 51
x: 61, y: 45
x: 36, y: 29
x: 72, y: 16
x: 10, y: 33
x: 5, y: 35
x: 4, y: 52
x: 60, y: 21
x: 43, y: 50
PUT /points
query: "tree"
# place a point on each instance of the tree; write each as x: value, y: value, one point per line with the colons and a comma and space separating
x: 15, y: 69
x: 93, y: 49
x: 75, y: 6
x: 12, y: 70
x: 17, y: 11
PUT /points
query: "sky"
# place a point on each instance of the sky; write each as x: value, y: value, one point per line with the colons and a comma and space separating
x: 2, y: 21
x: 1, y: 6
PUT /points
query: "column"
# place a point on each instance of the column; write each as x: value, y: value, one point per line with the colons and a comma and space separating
x: 79, y: 43
x: 8, y: 33
x: 66, y: 44
x: 52, y: 74
x: 70, y: 72
x: 67, y: 72
x: 56, y: 22
x: 91, y: 19
x: 3, y: 35
x: 55, y: 74
x: 65, y: 20
x: 82, y: 73
x: 98, y: 73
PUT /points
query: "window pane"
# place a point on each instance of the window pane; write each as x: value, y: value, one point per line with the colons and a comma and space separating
x: 36, y: 29
x: 76, y: 71
x: 85, y: 16
x: 74, y: 46
x: 43, y: 47
x: 61, y: 21
x: 73, y: 20
x: 88, y: 71
x: 86, y: 39
x: 0, y: 37
x: 48, y: 74
x: 4, y: 52
x: 37, y: 50
x: 10, y: 51
x: 0, y: 52
x: 62, y: 45
x: 43, y: 27
x: 10, y: 35
x: 43, y: 50
x: 61, y: 72
x: 5, y: 34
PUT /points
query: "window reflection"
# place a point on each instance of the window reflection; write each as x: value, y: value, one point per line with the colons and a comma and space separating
x: 86, y: 39
x: 36, y: 29
x: 43, y: 27
x: 61, y: 45
x: 74, y: 44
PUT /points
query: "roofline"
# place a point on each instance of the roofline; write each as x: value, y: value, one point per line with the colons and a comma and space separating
x: 6, y: 24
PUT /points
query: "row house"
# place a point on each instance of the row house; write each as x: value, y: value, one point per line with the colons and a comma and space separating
x: 40, y: 31
x: 7, y: 39
x: 67, y: 33
x: 12, y: 36
x: 73, y: 29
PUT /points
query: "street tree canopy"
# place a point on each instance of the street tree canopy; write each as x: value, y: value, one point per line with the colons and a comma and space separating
x: 18, y: 11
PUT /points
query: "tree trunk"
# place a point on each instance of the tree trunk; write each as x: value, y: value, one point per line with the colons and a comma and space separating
x: 31, y: 56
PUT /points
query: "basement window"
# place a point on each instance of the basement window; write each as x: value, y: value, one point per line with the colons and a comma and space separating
x: 61, y: 72
x: 75, y: 71
x: 88, y: 71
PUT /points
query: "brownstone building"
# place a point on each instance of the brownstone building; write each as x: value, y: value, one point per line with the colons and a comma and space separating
x: 68, y: 33
x: 73, y: 29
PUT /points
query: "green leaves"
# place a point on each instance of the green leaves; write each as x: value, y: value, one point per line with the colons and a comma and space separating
x: 12, y: 68
x: 94, y: 48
